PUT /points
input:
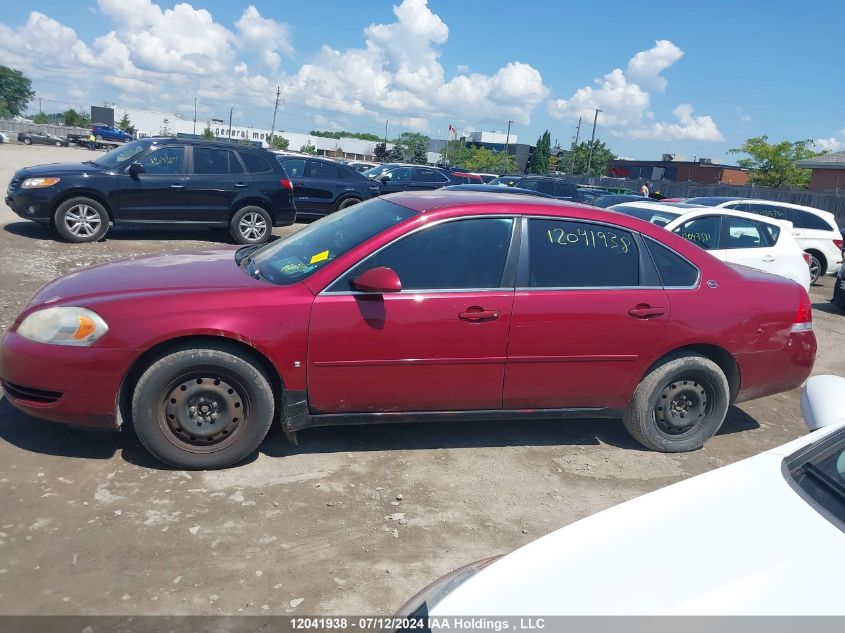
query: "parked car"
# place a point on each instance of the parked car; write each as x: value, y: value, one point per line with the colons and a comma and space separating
x: 732, y: 541
x: 106, y: 133
x: 361, y: 166
x: 322, y: 186
x: 159, y: 181
x: 416, y: 306
x: 464, y: 177
x: 659, y: 213
x: 417, y: 178
x: 375, y: 172
x: 485, y: 178
x: 556, y: 187
x: 588, y: 195
x: 38, y: 137
x: 608, y: 200
x: 839, y: 288
x: 743, y: 238
x: 497, y: 190
x: 815, y: 230
x: 4, y: 138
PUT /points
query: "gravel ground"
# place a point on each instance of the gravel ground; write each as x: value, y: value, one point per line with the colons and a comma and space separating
x: 352, y: 521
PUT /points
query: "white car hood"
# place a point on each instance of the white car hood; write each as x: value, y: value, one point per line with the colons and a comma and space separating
x: 738, y: 540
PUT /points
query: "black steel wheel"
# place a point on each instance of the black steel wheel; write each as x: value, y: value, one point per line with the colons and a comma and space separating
x: 202, y: 408
x: 679, y: 405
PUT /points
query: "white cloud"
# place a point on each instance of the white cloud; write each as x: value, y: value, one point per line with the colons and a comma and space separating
x: 624, y: 98
x: 742, y: 115
x: 264, y: 35
x: 830, y: 144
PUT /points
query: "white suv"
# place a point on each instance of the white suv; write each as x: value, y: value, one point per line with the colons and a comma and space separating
x: 815, y: 230
x: 735, y: 237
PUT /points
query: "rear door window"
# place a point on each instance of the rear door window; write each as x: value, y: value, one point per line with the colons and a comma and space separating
x: 295, y: 167
x: 569, y: 254
x: 703, y: 232
x: 322, y: 169
x: 209, y: 160
x: 769, y: 211
x: 430, y: 175
x: 742, y: 233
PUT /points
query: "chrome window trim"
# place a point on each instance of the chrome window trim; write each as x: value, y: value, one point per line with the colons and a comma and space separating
x: 498, y: 216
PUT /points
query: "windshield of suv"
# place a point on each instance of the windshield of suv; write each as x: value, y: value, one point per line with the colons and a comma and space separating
x: 294, y: 258
x: 121, y: 154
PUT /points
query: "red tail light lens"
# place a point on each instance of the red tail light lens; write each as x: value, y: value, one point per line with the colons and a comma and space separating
x: 838, y: 244
x: 804, y: 316
x: 806, y: 258
x: 286, y: 184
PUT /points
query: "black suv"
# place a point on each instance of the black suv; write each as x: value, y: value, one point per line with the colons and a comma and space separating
x: 416, y: 178
x: 321, y: 186
x: 549, y: 185
x: 159, y: 181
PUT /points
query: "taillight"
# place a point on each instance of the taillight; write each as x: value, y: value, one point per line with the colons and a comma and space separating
x: 286, y: 184
x: 807, y: 258
x: 838, y: 244
x: 804, y: 316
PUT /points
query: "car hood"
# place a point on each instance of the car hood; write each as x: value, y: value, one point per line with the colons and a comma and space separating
x: 178, y: 272
x: 738, y: 540
x: 53, y: 169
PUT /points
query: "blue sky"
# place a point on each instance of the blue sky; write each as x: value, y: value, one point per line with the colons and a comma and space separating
x: 674, y: 77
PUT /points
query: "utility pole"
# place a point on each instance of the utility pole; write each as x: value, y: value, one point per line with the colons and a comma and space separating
x: 39, y: 106
x: 275, y: 108
x: 230, y: 122
x: 508, y: 137
x: 575, y: 144
x: 195, y: 116
x: 592, y: 140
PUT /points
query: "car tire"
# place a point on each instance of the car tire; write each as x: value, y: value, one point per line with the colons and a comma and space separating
x: 202, y: 408
x: 347, y: 202
x: 81, y: 220
x: 27, y: 141
x: 679, y: 386
x: 58, y: 143
x: 816, y: 268
x: 251, y: 225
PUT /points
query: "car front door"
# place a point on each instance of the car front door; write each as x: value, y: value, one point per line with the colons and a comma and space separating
x: 588, y: 310
x: 398, y: 179
x: 158, y: 194
x: 706, y: 232
x: 439, y: 344
x: 217, y: 179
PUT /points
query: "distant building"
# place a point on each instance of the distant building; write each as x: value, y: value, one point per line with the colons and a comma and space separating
x: 828, y: 171
x: 496, y: 141
x: 702, y: 171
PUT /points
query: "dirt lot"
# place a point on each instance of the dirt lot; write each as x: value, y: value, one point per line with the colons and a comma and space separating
x: 91, y: 525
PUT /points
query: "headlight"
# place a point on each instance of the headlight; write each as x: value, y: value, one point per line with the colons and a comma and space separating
x: 79, y: 327
x: 38, y: 183
x: 420, y: 605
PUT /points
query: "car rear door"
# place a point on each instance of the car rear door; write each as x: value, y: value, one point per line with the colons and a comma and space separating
x: 439, y: 344
x: 587, y: 312
x: 325, y: 185
x: 746, y: 242
x: 216, y: 181
x: 160, y: 194
x: 306, y: 200
x: 425, y: 178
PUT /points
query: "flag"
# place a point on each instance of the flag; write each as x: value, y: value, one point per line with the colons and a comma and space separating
x: 453, y: 130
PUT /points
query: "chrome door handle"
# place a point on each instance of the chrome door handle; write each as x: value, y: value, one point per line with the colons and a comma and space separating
x: 241, y: 185
x: 177, y: 186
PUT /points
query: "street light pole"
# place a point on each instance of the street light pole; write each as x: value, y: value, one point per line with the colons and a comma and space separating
x: 508, y: 137
x: 195, y: 116
x: 275, y: 109
x: 230, y: 122
x: 592, y: 140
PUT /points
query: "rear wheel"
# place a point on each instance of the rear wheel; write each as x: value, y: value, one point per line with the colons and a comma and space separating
x: 679, y: 405
x: 251, y: 225
x: 58, y: 143
x: 27, y: 141
x: 81, y: 220
x: 816, y: 268
x: 202, y: 408
x: 347, y: 202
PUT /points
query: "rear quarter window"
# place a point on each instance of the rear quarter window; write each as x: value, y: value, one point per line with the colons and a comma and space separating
x: 256, y: 164
x: 674, y: 270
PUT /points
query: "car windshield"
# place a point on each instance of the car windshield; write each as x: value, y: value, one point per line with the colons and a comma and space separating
x: 294, y: 258
x: 121, y: 154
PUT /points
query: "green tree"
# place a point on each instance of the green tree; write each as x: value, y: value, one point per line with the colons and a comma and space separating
x: 125, y: 124
x: 75, y: 119
x: 414, y: 147
x: 539, y: 163
x: 395, y: 155
x: 380, y: 151
x: 773, y: 164
x: 279, y: 142
x: 15, y: 91
x: 308, y: 148
x: 576, y: 160
x: 364, y: 136
x: 40, y: 118
x: 208, y: 133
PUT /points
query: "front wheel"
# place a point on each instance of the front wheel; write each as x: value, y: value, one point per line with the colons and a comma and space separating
x: 27, y: 141
x: 679, y: 405
x: 251, y: 225
x: 202, y: 408
x: 81, y: 220
x: 58, y: 143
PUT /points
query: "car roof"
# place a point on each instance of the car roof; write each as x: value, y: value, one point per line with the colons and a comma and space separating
x: 663, y: 206
x: 497, y: 189
x: 704, y: 211
x: 495, y: 202
x: 169, y: 140
x: 777, y: 203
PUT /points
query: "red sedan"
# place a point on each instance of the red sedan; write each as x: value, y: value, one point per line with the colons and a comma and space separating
x: 415, y: 306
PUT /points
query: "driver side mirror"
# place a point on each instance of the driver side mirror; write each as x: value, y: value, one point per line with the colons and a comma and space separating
x: 385, y: 177
x: 135, y: 169
x: 379, y: 280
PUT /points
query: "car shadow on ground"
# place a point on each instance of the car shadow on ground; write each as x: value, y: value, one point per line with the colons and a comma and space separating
x: 40, y: 436
x: 41, y: 232
x: 829, y: 308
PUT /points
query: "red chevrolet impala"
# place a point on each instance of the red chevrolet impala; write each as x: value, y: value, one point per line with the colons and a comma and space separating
x: 426, y: 306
